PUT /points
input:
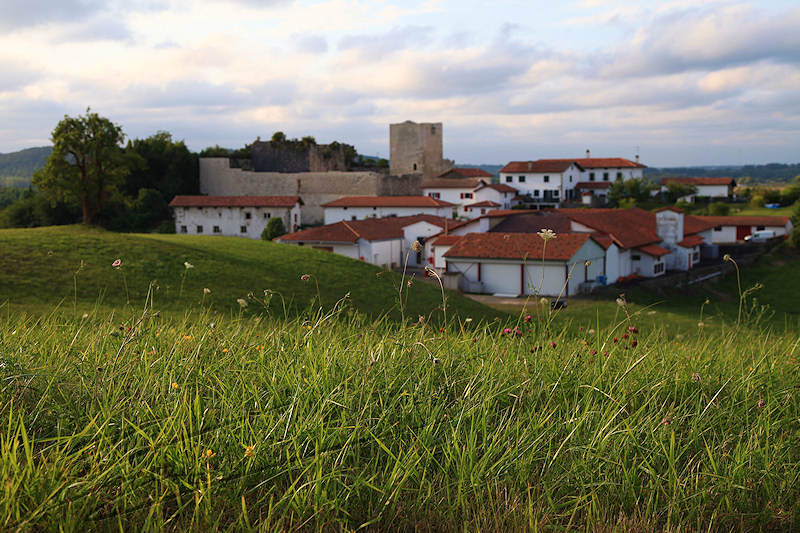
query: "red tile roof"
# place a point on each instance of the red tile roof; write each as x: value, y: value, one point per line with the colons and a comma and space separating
x: 669, y: 208
x: 540, y: 166
x: 371, y: 229
x: 499, y: 187
x: 446, y: 240
x: 654, y: 250
x: 744, y: 220
x: 691, y: 241
x: 593, y: 185
x: 466, y: 172
x: 699, y: 181
x: 693, y: 224
x: 388, y: 201
x: 484, y: 203
x: 532, y: 222
x: 235, y: 201
x: 451, y: 183
x: 506, y: 212
x: 517, y: 246
x: 603, y: 240
x: 606, y: 162
x: 630, y: 228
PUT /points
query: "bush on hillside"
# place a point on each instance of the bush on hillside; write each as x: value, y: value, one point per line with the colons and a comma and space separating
x: 719, y: 209
x: 275, y: 228
x: 794, y: 238
x: 757, y: 200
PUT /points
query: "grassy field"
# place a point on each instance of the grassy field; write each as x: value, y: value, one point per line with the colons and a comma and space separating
x: 748, y: 210
x: 73, y: 265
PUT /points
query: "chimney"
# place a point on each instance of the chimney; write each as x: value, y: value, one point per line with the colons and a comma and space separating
x: 588, y: 154
x: 637, y: 158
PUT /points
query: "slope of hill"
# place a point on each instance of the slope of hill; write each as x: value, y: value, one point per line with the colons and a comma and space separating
x: 17, y: 168
x: 42, y: 266
x: 772, y: 173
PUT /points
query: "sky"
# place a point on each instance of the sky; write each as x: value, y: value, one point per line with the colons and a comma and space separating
x: 680, y: 82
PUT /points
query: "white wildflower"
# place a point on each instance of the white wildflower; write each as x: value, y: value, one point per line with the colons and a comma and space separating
x: 242, y: 302
x: 188, y: 265
x: 547, y: 234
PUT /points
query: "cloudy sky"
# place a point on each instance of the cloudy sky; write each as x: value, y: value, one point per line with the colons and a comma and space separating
x: 685, y: 81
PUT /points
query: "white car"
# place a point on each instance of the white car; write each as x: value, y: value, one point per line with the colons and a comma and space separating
x: 760, y: 236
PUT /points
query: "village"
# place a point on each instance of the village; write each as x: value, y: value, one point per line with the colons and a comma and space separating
x: 541, y: 227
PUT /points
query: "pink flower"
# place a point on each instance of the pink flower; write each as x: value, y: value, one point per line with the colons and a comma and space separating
x: 528, y: 318
x: 615, y: 339
x: 761, y: 403
x: 117, y: 263
x: 633, y: 330
x: 592, y: 352
x: 552, y: 344
x: 634, y: 343
x: 624, y: 335
x: 305, y: 277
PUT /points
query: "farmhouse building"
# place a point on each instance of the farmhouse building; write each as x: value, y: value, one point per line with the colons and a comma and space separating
x: 706, y: 187
x: 384, y: 242
x: 731, y: 229
x: 240, y: 216
x: 362, y: 207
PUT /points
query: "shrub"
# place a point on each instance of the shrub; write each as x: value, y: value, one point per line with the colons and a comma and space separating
x: 166, y: 226
x: 275, y: 228
x: 794, y: 238
x: 719, y: 209
x: 757, y: 200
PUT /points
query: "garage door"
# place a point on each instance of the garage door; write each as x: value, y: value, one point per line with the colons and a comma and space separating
x: 500, y: 279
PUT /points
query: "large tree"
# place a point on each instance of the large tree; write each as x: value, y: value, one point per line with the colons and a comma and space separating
x: 86, y: 164
x: 163, y: 164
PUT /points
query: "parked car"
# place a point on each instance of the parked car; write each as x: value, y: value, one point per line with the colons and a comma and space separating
x: 760, y: 236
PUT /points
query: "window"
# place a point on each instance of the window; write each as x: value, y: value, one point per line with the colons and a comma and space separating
x: 199, y: 229
x: 555, y: 193
x: 219, y: 213
x: 415, y: 166
x: 636, y: 257
x: 183, y: 229
x: 353, y: 218
x: 522, y: 179
x: 483, y: 211
x: 591, y: 176
x: 267, y: 215
x: 536, y: 193
x: 718, y: 228
x: 433, y: 130
x: 658, y: 268
x: 509, y: 179
x: 759, y: 228
x: 434, y: 194
x: 605, y: 176
x: 619, y: 175
x: 465, y: 195
x: 243, y: 229
x: 216, y: 229
x: 295, y: 217
x: 547, y: 179
x: 248, y: 215
x: 570, y: 179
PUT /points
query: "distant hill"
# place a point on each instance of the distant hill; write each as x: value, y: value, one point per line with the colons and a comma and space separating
x: 772, y: 173
x: 17, y: 168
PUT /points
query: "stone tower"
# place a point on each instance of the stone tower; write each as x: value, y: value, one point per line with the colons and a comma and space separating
x: 416, y: 149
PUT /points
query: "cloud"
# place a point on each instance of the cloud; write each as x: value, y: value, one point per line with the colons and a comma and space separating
x: 102, y: 28
x: 310, y: 44
x: 375, y: 47
x: 16, y: 76
x: 210, y: 97
x: 18, y: 14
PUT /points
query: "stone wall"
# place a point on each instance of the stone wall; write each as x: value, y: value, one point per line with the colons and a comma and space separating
x: 417, y: 148
x: 294, y: 157
x: 217, y: 178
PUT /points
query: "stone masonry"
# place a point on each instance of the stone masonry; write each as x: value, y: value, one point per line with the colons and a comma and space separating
x: 417, y: 149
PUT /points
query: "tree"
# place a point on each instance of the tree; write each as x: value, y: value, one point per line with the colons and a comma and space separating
x: 275, y: 228
x: 86, y: 164
x: 676, y: 191
x: 719, y: 209
x: 162, y: 164
x: 636, y: 189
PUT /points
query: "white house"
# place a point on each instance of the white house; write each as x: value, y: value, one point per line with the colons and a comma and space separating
x: 549, y: 182
x: 385, y: 242
x: 518, y: 264
x: 438, y: 246
x: 363, y: 207
x: 240, y: 216
x: 706, y: 187
x: 499, y: 193
x: 731, y: 229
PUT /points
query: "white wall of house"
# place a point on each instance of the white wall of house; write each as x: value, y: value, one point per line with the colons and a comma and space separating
x: 229, y: 221
x: 385, y: 254
x: 458, y: 196
x: 612, y: 264
x: 538, y: 185
x: 727, y: 234
x: 437, y: 252
x: 414, y: 232
x: 337, y: 214
x: 643, y: 263
x: 505, y: 199
x: 685, y: 258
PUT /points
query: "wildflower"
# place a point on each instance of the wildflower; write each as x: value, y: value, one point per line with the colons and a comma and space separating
x: 242, y: 302
x: 651, y: 312
x: 421, y: 319
x: 468, y: 320
x: 544, y: 301
x: 726, y: 257
x: 249, y: 451
x: 621, y: 302
x: 580, y: 328
x: 592, y: 352
x: 415, y: 246
x: 408, y: 283
x: 305, y: 277
x: 474, y: 339
x: 624, y: 335
x: 224, y: 350
x: 590, y: 332
x: 587, y: 263
x: 429, y: 270
x: 175, y: 386
x: 707, y: 302
x: 187, y: 337
x: 761, y: 403
x: 528, y: 318
x: 206, y: 290
x: 547, y: 234
x: 187, y: 265
x: 209, y: 454
x: 633, y: 330
x: 615, y: 340
x: 552, y: 344
x: 308, y: 328
x: 695, y: 377
x: 701, y: 324
x: 436, y: 361
x: 117, y: 263
x: 634, y: 343
x: 85, y: 315
x: 605, y: 353
x: 666, y: 420
x: 535, y: 349
x: 507, y: 331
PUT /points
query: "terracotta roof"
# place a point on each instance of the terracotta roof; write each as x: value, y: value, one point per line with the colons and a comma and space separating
x: 446, y: 240
x: 467, y: 172
x: 532, y: 222
x: 630, y: 228
x: 699, y: 181
x: 371, y: 229
x: 517, y: 246
x: 668, y: 208
x: 593, y: 185
x: 602, y: 162
x: 691, y: 241
x: 388, y: 201
x: 235, y: 201
x: 539, y: 166
x: 499, y: 187
x: 744, y: 220
x: 603, y: 240
x: 506, y: 212
x: 693, y: 224
x: 452, y: 183
x: 484, y: 203
x: 654, y: 250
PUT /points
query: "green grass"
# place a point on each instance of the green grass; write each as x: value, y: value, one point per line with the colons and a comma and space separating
x: 330, y: 421
x: 43, y: 265
x: 759, y: 211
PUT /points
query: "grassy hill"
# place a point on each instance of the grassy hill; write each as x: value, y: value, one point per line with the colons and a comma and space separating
x: 17, y: 168
x: 42, y: 266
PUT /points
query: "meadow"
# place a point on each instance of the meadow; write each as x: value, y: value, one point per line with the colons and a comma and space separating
x: 184, y: 413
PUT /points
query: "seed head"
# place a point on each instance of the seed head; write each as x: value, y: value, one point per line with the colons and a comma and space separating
x: 175, y: 386
x: 206, y: 290
x: 621, y: 302
x: 544, y: 301
x: 187, y: 265
x: 761, y: 403
x: 666, y: 420
x: 415, y: 246
x: 695, y: 377
x: 547, y: 234
x: 587, y: 263
x: 249, y: 451
x: 305, y: 277
x: 117, y: 263
x: 726, y: 257
x: 528, y: 318
x: 242, y: 302
x: 701, y: 324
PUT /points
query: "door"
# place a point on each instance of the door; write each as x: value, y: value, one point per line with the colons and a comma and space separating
x: 742, y: 232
